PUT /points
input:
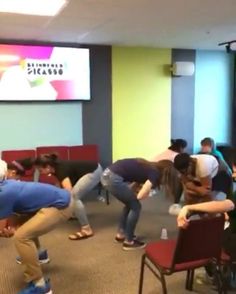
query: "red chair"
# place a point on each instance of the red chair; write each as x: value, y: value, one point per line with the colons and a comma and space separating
x: 84, y: 152
x: 61, y: 151
x: 11, y: 155
x: 195, y: 247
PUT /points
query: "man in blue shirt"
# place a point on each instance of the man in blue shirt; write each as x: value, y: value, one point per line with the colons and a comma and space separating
x: 36, y: 209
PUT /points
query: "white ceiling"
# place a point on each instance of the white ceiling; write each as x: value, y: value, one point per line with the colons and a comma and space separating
x: 196, y: 24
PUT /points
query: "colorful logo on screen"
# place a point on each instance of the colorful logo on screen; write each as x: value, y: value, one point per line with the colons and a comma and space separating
x: 43, y: 68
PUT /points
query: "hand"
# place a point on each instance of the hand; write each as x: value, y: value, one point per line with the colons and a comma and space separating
x: 204, y: 191
x: 192, y: 189
x: 182, y: 220
x: 7, y: 232
x: 135, y: 187
x: 190, y: 185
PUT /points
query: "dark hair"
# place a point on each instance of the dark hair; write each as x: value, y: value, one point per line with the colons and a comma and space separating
x: 47, y: 159
x: 182, y: 161
x: 209, y: 142
x: 177, y: 145
x: 152, y: 164
x: 21, y: 165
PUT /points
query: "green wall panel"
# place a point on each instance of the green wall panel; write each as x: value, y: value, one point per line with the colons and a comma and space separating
x: 141, y: 101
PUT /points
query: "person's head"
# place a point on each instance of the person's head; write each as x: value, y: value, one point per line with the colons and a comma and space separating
x: 17, y: 168
x: 207, y: 145
x: 3, y: 170
x: 183, y: 163
x: 46, y: 163
x: 178, y: 145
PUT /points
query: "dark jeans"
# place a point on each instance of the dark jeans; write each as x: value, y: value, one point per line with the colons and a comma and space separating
x: 131, y: 211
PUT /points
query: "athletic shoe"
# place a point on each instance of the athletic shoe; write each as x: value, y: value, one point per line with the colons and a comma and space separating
x: 101, y: 198
x: 134, y: 246
x: 174, y: 209
x: 43, y: 257
x: 202, y: 278
x: 31, y: 288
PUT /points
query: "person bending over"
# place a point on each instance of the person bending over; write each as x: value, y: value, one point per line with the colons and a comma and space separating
x: 79, y: 177
x: 16, y: 169
x: 121, y: 179
x: 172, y: 181
x: 199, y: 176
x: 177, y: 146
x: 35, y: 209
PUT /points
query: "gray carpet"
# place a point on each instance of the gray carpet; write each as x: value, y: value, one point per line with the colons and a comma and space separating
x: 98, y: 265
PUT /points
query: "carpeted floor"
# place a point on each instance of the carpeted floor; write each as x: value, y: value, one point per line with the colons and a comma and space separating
x: 98, y: 265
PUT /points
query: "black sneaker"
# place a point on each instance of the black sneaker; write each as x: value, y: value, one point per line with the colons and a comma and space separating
x: 42, y: 255
x: 133, y: 246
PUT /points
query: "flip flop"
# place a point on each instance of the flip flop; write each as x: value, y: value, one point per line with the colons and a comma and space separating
x: 79, y: 236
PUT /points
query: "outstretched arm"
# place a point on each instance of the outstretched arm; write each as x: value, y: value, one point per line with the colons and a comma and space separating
x: 210, y: 207
x: 66, y: 184
x: 145, y: 190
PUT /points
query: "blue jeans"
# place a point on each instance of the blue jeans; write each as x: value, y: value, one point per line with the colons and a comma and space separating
x: 131, y: 211
x: 82, y: 187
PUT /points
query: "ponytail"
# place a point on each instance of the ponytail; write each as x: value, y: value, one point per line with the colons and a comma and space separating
x: 177, y: 145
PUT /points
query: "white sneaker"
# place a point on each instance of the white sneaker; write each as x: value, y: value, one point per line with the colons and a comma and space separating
x: 101, y: 198
x: 174, y: 209
x: 203, y: 279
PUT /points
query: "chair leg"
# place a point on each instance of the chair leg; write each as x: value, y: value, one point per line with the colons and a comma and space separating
x: 189, y: 280
x: 107, y: 198
x: 219, y: 279
x: 190, y: 286
x: 163, y: 283
x: 140, y: 290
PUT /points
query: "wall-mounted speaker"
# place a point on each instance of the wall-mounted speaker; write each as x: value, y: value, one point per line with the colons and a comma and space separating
x: 183, y: 68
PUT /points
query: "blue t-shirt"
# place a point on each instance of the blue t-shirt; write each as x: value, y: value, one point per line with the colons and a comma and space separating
x: 26, y: 197
x: 133, y: 170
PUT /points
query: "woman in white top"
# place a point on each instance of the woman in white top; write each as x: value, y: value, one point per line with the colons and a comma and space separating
x: 177, y: 146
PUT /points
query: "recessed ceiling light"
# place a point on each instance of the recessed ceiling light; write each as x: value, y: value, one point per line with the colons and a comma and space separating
x: 33, y: 7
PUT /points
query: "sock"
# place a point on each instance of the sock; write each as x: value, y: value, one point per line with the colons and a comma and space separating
x: 40, y: 282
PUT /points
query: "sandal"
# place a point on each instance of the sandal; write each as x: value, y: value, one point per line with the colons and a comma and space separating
x: 79, y: 236
x: 119, y: 239
x: 122, y: 239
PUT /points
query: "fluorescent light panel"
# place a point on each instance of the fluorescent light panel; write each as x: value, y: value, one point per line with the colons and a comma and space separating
x: 33, y: 7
